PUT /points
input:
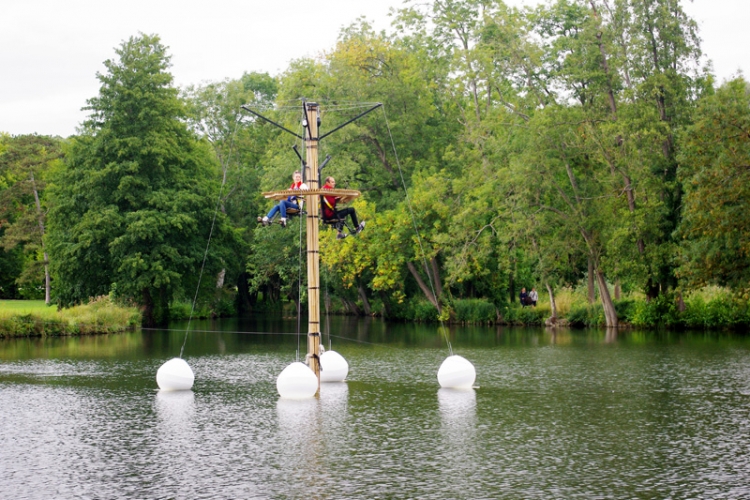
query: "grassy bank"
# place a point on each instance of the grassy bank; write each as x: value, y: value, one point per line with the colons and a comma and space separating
x: 709, y: 308
x: 24, y: 318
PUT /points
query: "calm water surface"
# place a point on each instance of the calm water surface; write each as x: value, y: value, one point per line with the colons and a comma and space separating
x: 578, y: 414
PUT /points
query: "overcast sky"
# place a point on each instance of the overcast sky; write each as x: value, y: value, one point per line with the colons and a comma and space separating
x: 51, y: 50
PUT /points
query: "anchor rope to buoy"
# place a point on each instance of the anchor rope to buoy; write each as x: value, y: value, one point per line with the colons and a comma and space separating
x: 416, y: 230
x: 211, y: 231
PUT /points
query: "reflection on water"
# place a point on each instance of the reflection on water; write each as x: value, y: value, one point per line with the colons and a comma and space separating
x: 560, y: 414
x: 175, y: 408
x: 457, y: 405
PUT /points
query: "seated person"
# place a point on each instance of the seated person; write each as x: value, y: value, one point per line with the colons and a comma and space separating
x: 523, y: 297
x: 292, y: 202
x: 330, y: 211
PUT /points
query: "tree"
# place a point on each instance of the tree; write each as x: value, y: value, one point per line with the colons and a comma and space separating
x: 715, y: 172
x: 239, y: 143
x: 133, y: 210
x: 24, y: 165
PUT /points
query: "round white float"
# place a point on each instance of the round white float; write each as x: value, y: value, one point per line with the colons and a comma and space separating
x: 333, y: 367
x: 175, y: 375
x: 456, y: 372
x: 297, y: 381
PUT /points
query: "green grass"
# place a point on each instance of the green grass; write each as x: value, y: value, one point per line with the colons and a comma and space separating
x: 23, y: 318
x: 23, y: 306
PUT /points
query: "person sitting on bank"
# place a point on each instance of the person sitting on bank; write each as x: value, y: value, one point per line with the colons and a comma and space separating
x: 330, y: 211
x: 292, y: 202
x: 524, y: 297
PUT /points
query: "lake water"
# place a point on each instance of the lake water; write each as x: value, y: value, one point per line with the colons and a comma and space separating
x: 579, y: 414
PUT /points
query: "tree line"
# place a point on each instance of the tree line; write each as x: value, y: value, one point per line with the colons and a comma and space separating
x: 573, y: 142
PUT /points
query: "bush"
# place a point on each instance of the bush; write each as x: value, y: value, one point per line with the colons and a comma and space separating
x: 625, y: 310
x: 514, y: 314
x: 718, y: 308
x: 474, y: 310
x: 586, y: 315
x: 661, y: 311
x: 100, y: 315
x: 422, y: 311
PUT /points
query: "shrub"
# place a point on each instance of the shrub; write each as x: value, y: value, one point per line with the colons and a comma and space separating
x: 423, y: 311
x: 474, y: 310
x: 713, y: 307
x: 586, y: 315
x: 625, y: 309
x: 661, y: 311
x: 514, y: 314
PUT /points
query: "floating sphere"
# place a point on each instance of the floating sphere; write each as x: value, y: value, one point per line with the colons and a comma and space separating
x: 297, y: 381
x: 175, y: 375
x: 333, y: 367
x: 456, y: 372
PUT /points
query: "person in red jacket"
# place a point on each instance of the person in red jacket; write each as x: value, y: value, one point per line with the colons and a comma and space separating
x: 330, y: 211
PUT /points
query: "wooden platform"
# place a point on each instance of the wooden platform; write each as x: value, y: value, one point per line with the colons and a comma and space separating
x: 345, y: 195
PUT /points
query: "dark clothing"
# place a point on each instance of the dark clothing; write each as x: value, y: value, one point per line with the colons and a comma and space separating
x: 330, y: 211
x: 524, y: 297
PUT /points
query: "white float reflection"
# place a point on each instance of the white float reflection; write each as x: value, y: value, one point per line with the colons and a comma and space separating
x: 175, y: 408
x: 457, y: 405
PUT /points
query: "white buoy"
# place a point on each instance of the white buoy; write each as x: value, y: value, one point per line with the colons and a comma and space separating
x: 297, y: 381
x: 175, y: 375
x: 333, y: 367
x: 456, y: 372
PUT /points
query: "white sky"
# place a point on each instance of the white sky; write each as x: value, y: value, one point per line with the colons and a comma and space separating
x: 50, y: 50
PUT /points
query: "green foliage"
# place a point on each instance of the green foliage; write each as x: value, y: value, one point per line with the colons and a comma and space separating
x: 422, y: 311
x: 661, y: 311
x: 514, y: 314
x: 25, y: 164
x: 719, y: 310
x: 33, y: 318
x: 515, y: 147
x: 586, y: 315
x: 474, y: 310
x: 625, y: 309
x: 136, y: 201
x: 715, y: 245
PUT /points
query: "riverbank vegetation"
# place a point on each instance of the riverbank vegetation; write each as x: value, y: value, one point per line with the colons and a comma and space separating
x: 34, y: 318
x: 583, y: 148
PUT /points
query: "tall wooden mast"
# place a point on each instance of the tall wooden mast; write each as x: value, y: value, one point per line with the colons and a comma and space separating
x: 313, y: 254
x: 312, y: 204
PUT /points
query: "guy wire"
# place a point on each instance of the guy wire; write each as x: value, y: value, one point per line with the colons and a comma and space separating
x: 416, y: 229
x: 211, y: 232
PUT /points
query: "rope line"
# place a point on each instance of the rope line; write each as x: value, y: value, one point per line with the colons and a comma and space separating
x: 211, y: 232
x: 416, y: 229
x: 245, y: 332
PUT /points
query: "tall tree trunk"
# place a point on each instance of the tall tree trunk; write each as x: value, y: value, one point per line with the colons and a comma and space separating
x: 243, y: 294
x: 163, y: 306
x: 436, y: 277
x: 351, y: 307
x: 386, y: 308
x: 425, y: 289
x: 363, y: 298
x: 552, y: 320
x: 591, y: 289
x: 147, y: 308
x: 40, y: 217
x: 610, y: 315
x: 618, y: 289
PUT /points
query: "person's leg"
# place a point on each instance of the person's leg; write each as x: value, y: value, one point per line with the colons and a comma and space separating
x: 273, y: 211
x: 341, y: 214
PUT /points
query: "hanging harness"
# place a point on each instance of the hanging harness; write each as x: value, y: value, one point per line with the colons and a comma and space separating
x: 331, y: 212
